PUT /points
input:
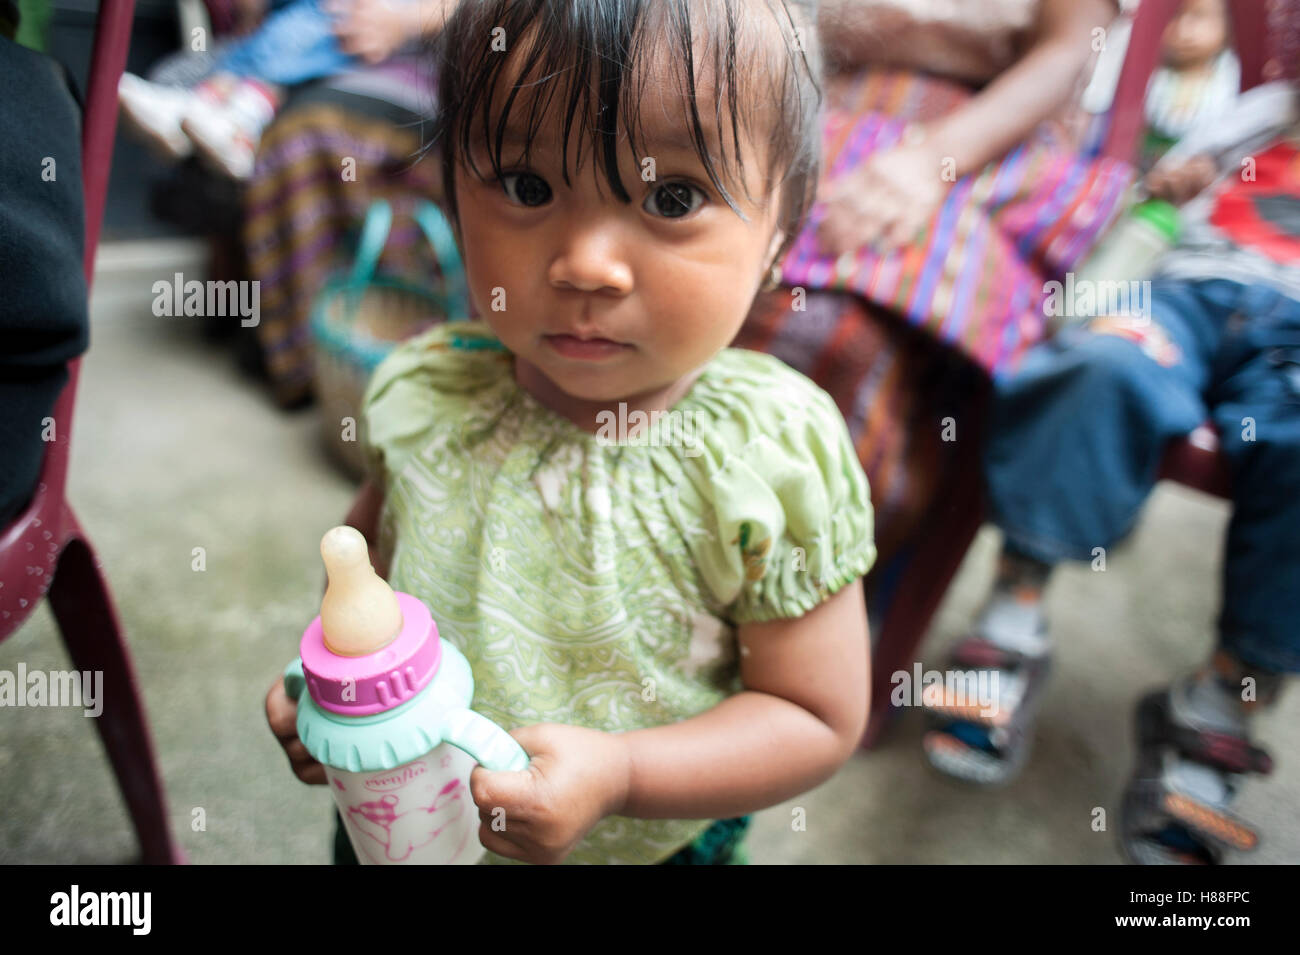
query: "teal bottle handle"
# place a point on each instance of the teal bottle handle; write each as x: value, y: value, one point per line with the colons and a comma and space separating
x: 488, y: 743
x: 295, y: 681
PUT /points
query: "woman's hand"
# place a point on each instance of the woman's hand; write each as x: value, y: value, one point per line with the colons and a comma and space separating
x: 372, y: 29
x: 282, y: 716
x: 576, y: 777
x: 886, y: 202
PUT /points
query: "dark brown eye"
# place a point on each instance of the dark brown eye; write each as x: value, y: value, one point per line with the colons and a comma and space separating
x: 526, y: 188
x: 672, y: 200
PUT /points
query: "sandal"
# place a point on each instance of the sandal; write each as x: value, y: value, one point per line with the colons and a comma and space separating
x: 1162, y: 821
x: 975, y: 742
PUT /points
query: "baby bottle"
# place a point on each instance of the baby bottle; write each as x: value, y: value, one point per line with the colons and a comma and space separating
x: 1129, y: 251
x: 387, y: 713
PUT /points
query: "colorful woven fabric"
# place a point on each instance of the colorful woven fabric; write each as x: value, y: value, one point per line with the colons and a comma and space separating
x: 320, y: 165
x: 974, y: 278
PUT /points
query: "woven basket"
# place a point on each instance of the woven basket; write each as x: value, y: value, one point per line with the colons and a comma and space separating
x: 357, y: 319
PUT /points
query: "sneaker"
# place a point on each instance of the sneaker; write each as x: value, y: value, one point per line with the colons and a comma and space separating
x: 155, y: 112
x: 226, y: 134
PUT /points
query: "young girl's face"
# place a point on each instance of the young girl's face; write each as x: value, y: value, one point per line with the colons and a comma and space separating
x: 1197, y: 34
x: 602, y: 300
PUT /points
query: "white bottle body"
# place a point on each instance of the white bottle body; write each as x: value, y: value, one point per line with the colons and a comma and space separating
x: 420, y: 813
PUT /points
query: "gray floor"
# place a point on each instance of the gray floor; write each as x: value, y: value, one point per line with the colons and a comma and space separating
x: 174, y: 450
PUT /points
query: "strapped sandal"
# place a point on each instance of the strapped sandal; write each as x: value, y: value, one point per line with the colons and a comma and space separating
x: 976, y: 743
x: 1162, y: 823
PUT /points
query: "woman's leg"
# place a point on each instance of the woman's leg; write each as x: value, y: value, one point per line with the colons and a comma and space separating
x: 301, y: 217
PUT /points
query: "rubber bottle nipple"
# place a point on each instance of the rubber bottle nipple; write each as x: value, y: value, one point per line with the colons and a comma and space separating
x: 359, y: 613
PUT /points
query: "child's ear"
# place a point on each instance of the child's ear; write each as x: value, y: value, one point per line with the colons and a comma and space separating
x: 773, y: 250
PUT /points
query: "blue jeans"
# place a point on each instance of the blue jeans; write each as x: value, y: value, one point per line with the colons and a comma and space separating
x: 294, y: 44
x: 1079, y: 431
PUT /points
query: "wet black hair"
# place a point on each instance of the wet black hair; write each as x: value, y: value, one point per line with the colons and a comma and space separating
x: 591, y: 59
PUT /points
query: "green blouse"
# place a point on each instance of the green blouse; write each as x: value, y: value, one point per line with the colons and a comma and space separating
x: 599, y: 583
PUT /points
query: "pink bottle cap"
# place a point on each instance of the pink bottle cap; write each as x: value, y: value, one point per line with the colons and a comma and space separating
x: 379, y: 681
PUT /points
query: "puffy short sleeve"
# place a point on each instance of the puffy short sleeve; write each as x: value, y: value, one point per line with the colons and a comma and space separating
x: 422, y: 382
x: 787, y: 508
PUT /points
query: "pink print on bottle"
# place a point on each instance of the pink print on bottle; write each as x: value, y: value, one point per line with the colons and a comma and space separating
x: 418, y: 813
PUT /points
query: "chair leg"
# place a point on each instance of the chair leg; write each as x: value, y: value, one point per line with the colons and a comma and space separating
x: 88, y: 623
x: 930, y: 571
x: 953, y: 521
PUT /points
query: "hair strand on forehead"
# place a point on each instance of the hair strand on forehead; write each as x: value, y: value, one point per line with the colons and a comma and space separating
x: 507, y: 68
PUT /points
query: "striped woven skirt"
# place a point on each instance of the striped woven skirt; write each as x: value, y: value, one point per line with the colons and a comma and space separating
x: 335, y: 149
x: 873, y: 329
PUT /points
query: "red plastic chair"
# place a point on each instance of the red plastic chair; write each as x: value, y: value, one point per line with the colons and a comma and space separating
x: 45, y: 551
x: 1193, y: 461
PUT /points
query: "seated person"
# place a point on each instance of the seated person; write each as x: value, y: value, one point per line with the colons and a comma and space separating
x: 44, y: 321
x: 1199, y: 76
x: 224, y: 115
x: 1077, y: 439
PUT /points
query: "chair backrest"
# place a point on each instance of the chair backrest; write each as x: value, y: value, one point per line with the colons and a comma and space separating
x: 1127, y: 115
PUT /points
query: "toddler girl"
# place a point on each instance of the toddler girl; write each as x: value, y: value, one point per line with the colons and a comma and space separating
x: 648, y: 545
x: 1198, y: 79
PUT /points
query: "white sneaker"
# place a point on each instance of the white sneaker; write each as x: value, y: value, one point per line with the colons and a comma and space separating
x: 155, y: 112
x: 227, y: 135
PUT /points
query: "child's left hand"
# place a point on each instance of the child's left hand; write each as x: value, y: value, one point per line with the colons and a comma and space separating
x: 576, y: 777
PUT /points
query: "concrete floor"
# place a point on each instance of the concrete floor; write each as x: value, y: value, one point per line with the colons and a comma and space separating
x: 174, y: 449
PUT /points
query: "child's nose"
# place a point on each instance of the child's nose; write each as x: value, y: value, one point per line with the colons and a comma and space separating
x: 590, y: 260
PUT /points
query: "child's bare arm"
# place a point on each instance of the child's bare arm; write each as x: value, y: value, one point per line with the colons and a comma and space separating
x: 1030, y: 91
x: 802, y: 713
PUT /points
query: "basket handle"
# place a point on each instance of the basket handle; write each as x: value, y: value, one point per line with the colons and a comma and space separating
x: 438, y: 231
x: 434, y: 225
x: 374, y: 235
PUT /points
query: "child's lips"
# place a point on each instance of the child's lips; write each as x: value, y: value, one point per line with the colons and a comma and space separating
x: 584, y: 349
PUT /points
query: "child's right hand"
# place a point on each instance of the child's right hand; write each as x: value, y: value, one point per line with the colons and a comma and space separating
x: 1177, y: 182
x: 282, y: 715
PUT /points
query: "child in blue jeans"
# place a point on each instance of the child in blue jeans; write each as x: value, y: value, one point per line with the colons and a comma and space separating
x: 224, y: 116
x: 1077, y: 438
